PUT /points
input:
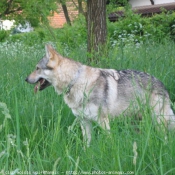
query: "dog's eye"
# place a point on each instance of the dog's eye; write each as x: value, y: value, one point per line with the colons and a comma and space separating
x: 37, y: 68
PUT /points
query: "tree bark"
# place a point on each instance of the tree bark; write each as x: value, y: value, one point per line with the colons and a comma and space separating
x: 80, y: 7
x: 66, y: 14
x: 96, y: 28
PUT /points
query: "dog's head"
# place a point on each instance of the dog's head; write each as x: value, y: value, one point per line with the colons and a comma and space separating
x: 42, y: 75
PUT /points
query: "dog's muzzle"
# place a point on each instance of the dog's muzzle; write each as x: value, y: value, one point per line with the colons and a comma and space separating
x: 40, y: 84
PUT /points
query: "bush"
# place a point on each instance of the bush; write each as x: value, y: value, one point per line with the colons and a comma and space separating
x: 159, y: 31
x: 30, y: 38
x: 136, y: 29
x: 132, y: 29
x: 74, y: 35
x: 67, y: 37
x: 3, y: 35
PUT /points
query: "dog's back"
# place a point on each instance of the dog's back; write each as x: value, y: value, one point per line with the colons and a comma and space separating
x: 125, y: 92
x: 134, y: 89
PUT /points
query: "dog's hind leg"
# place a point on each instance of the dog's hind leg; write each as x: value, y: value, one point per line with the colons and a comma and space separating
x: 86, y: 127
x: 169, y: 116
x: 158, y: 112
x: 163, y: 112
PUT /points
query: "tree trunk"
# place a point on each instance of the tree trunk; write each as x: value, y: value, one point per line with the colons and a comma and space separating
x: 80, y: 7
x: 97, y: 29
x: 64, y: 7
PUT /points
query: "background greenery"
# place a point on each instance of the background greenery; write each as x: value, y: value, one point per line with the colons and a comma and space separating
x: 39, y: 132
x: 131, y: 28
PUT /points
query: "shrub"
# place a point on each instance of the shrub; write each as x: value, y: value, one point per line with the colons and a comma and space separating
x: 74, y: 35
x: 3, y: 35
x: 160, y: 31
x: 137, y: 29
x: 127, y: 30
x: 31, y: 38
x: 67, y: 37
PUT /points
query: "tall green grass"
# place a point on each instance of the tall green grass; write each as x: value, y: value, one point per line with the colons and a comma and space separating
x: 39, y: 134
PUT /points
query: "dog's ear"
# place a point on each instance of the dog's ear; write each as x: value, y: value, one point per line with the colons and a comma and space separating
x: 51, y: 56
x: 49, y: 49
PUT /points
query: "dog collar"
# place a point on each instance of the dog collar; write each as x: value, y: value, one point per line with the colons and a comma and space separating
x: 73, y: 81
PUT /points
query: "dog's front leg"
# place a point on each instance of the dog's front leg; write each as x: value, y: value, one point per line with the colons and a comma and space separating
x: 103, y: 121
x: 86, y: 127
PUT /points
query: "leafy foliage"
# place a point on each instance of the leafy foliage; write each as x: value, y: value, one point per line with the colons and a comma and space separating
x: 3, y: 35
x: 68, y: 37
x: 34, y: 11
x: 134, y: 28
x: 131, y: 29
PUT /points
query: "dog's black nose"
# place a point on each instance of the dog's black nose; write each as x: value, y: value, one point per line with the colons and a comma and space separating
x: 26, y: 79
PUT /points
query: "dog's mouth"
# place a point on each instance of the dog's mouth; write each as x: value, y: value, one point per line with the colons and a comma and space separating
x: 41, y: 84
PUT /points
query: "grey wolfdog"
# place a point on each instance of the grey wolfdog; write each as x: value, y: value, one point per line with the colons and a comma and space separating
x: 96, y: 94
